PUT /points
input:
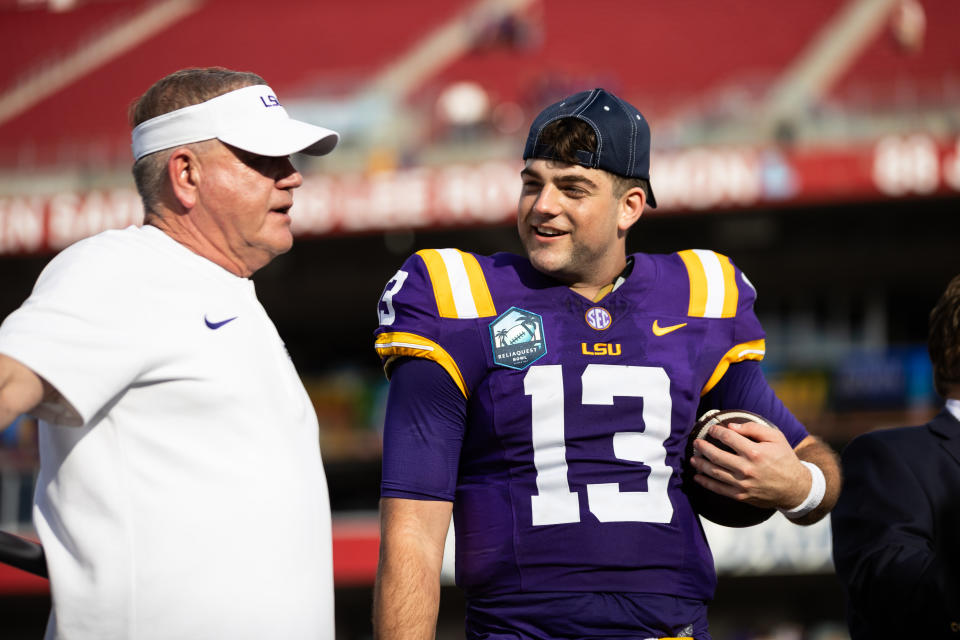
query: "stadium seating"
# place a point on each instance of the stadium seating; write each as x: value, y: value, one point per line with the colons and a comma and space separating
x: 670, y: 57
x: 297, y: 46
x: 889, y: 73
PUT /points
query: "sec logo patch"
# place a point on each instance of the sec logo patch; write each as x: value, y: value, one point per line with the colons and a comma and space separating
x: 598, y: 318
x: 517, y: 338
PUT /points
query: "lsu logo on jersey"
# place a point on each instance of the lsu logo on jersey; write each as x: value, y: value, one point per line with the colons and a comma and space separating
x: 517, y: 338
x: 600, y: 349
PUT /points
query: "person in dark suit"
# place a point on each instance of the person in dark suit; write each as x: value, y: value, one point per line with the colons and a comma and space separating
x: 896, y: 527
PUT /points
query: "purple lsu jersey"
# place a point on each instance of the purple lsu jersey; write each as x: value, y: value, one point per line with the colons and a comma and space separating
x: 578, y: 413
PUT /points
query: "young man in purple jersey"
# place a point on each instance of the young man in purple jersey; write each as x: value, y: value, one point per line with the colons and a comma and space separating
x: 546, y: 402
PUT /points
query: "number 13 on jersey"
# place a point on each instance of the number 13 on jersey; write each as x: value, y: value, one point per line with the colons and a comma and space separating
x: 641, y: 440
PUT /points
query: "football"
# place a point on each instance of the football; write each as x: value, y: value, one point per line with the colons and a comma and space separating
x: 713, y: 506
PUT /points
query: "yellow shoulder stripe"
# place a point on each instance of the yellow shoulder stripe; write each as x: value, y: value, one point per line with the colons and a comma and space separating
x: 459, y: 285
x: 753, y: 350
x: 400, y: 343
x: 713, y: 284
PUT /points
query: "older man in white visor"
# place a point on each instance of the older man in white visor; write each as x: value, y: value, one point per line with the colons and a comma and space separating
x: 181, y: 492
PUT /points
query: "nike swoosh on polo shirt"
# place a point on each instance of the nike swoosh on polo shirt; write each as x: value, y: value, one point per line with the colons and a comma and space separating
x: 217, y: 325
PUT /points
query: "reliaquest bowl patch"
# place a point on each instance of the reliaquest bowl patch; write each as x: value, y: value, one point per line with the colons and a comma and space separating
x: 517, y: 338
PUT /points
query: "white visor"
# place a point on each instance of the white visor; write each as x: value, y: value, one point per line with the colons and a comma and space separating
x: 250, y: 118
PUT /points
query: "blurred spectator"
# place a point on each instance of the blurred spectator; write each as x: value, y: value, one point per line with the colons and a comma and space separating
x: 908, y: 25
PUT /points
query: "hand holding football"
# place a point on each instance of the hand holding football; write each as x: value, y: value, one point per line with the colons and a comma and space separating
x: 713, y: 506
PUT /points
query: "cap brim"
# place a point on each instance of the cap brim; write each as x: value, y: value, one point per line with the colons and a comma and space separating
x: 282, y: 138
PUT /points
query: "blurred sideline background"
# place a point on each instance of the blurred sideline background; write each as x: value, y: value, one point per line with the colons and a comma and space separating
x: 817, y: 143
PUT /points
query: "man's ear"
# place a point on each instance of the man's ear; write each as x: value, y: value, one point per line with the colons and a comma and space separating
x: 631, y: 208
x: 183, y: 169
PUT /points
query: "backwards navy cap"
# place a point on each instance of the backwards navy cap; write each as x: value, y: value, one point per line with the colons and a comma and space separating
x: 623, y: 135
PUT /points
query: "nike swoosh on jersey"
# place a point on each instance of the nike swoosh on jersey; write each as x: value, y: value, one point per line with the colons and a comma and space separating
x: 217, y: 325
x: 662, y: 331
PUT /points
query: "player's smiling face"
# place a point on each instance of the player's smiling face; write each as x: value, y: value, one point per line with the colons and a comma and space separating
x: 572, y: 224
x: 248, y: 198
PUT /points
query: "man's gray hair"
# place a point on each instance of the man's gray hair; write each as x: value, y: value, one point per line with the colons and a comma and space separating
x: 175, y: 91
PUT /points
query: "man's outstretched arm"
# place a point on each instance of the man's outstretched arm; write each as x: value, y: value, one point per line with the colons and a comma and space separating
x: 21, y: 390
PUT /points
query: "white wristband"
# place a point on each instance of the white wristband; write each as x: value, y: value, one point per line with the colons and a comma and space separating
x: 818, y: 487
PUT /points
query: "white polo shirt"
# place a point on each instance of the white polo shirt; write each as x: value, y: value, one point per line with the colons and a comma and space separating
x: 191, y: 502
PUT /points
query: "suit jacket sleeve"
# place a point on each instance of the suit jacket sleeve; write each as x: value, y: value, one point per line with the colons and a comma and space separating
x: 887, y: 536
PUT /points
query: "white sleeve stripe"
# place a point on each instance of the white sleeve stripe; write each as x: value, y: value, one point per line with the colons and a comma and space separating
x: 744, y: 277
x: 459, y: 283
x: 411, y: 345
x: 715, y: 286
